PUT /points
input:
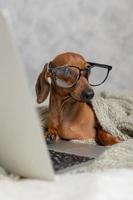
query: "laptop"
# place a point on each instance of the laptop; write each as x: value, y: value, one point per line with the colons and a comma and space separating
x: 23, y: 150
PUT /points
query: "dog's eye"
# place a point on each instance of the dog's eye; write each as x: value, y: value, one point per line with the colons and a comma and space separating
x: 63, y: 72
x: 67, y: 72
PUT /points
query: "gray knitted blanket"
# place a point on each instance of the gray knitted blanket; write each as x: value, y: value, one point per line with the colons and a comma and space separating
x: 114, y: 111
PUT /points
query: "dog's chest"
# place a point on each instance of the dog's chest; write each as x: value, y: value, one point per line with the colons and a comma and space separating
x: 78, y: 125
x: 82, y: 114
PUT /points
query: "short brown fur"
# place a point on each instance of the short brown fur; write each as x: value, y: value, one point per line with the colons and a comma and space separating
x: 69, y: 117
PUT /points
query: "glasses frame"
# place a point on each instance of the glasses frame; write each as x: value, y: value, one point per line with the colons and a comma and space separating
x: 52, y: 71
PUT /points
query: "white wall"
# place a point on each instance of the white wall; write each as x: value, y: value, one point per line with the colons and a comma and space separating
x: 101, y: 30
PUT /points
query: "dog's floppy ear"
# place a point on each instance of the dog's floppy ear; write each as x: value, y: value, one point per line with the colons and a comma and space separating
x: 42, y: 85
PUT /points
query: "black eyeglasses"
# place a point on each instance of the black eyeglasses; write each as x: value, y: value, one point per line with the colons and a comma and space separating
x: 67, y: 76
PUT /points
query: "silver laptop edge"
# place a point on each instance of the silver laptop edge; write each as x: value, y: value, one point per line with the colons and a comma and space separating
x: 22, y: 152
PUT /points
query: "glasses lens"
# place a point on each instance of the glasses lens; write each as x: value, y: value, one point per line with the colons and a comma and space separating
x: 66, y: 76
x: 97, y: 75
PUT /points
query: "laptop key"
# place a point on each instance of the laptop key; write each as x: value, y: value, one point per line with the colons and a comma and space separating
x: 63, y: 160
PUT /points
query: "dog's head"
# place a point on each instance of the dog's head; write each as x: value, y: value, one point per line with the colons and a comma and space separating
x: 68, y: 78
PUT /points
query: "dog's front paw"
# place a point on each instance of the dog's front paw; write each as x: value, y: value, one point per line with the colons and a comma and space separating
x: 51, y: 138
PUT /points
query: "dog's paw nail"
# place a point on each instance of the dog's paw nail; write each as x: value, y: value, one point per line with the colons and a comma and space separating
x: 50, y: 138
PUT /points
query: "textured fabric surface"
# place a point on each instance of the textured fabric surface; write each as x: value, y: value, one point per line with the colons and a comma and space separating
x: 114, y: 111
x: 107, y: 185
x: 117, y: 156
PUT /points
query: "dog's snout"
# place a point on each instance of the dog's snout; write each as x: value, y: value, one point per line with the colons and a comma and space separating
x: 87, y: 95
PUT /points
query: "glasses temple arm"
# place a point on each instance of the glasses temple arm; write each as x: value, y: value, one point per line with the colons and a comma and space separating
x: 100, y: 65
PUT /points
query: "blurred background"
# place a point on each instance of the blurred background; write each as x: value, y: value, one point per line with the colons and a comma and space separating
x: 100, y: 30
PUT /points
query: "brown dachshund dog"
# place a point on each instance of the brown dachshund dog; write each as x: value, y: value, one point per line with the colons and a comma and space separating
x: 71, y: 115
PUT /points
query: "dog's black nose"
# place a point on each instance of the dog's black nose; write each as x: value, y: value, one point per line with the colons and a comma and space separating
x: 87, y: 95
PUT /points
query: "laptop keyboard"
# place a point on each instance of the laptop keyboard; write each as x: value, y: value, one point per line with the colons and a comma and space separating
x: 63, y: 160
